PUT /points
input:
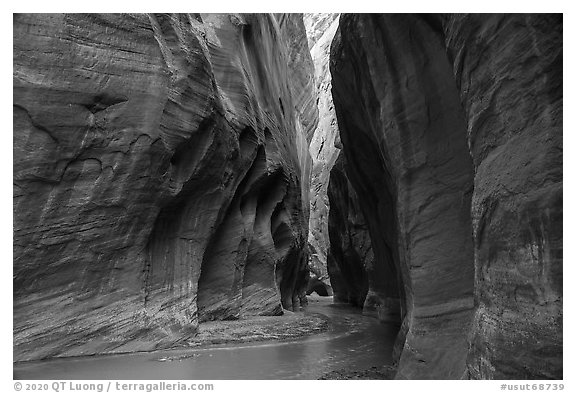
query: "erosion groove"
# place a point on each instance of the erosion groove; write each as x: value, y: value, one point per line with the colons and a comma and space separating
x: 159, y: 167
x: 175, y: 171
x: 451, y: 130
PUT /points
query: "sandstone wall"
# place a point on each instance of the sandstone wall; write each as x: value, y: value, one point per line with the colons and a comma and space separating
x: 356, y: 276
x: 325, y: 142
x: 160, y: 164
x: 451, y: 129
x: 350, y: 247
x: 509, y: 72
x: 339, y: 239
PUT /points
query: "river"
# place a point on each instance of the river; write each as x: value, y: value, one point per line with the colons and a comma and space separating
x: 352, y: 342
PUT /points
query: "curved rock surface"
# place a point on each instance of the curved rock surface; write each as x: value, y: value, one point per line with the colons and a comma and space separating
x: 339, y: 239
x: 160, y: 164
x: 317, y: 25
x: 350, y: 247
x: 324, y: 148
x: 509, y: 72
x: 355, y: 275
x: 451, y: 129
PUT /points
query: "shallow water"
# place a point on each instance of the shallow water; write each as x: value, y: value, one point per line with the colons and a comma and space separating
x: 352, y: 342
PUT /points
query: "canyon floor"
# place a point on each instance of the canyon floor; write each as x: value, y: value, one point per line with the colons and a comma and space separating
x: 325, y: 341
x: 291, y: 325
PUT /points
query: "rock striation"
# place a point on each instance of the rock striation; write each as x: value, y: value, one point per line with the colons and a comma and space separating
x: 161, y: 173
x: 350, y: 247
x: 509, y: 72
x: 357, y: 278
x: 339, y: 239
x: 324, y: 145
x: 451, y: 130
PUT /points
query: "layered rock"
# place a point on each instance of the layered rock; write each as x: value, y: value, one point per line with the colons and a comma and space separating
x: 342, y: 252
x: 451, y: 132
x: 350, y: 247
x: 317, y: 25
x: 324, y: 146
x: 339, y: 240
x: 301, y: 69
x: 509, y: 72
x: 356, y: 276
x: 159, y: 169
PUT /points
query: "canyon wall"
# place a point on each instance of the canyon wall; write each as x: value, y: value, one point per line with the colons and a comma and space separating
x: 356, y: 276
x: 160, y: 176
x: 509, y: 72
x: 451, y: 130
x: 340, y: 246
x: 324, y: 145
x: 350, y: 248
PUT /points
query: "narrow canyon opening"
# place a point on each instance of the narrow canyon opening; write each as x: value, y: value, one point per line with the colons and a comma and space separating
x: 270, y: 196
x: 400, y: 233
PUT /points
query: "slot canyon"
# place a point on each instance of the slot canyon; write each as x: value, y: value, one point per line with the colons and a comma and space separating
x: 309, y: 193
